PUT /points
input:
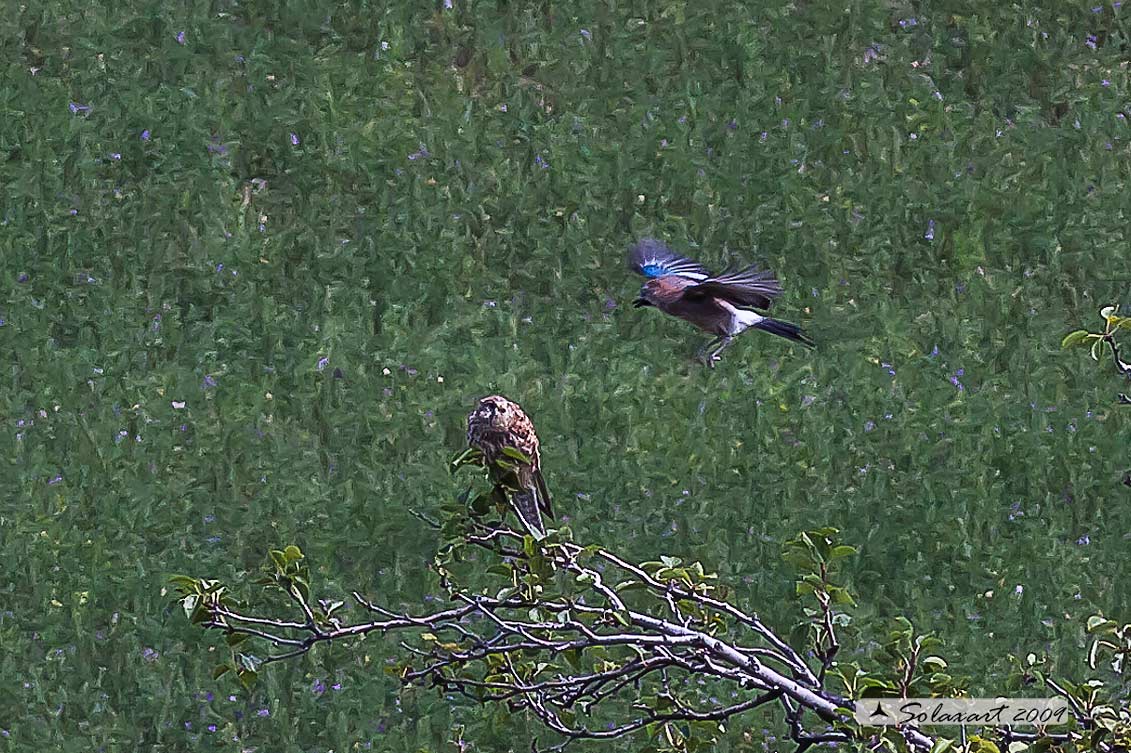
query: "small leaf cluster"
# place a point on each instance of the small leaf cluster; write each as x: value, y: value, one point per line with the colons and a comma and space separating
x: 1111, y: 638
x: 201, y: 599
x: 1113, y: 323
x: 287, y: 571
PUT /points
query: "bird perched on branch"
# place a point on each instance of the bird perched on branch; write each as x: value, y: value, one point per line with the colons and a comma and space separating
x: 504, y: 436
x: 722, y: 305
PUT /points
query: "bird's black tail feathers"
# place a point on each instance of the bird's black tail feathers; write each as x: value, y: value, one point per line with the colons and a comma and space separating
x: 529, y: 512
x: 785, y: 329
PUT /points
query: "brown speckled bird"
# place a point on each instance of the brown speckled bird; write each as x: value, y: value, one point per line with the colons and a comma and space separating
x: 494, y: 425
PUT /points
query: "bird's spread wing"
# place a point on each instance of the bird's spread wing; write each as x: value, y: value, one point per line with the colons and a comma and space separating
x: 653, y: 258
x: 746, y: 287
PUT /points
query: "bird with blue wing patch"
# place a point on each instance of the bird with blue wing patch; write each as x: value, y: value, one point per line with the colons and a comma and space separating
x: 653, y: 258
x: 722, y: 305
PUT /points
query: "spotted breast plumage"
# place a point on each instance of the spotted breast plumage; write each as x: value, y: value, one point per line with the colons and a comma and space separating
x: 722, y: 305
x: 495, y: 425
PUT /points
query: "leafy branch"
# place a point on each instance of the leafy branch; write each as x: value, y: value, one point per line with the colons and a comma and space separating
x: 1113, y: 323
x: 596, y: 646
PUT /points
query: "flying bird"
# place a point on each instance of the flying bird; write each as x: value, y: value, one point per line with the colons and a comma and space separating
x: 504, y: 435
x: 722, y: 305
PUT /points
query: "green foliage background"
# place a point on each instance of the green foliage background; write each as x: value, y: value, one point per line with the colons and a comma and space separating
x: 414, y: 239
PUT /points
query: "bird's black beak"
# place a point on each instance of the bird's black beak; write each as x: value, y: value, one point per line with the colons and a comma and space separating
x: 639, y: 303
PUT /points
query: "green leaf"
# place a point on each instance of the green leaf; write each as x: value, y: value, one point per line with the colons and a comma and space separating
x: 518, y: 455
x: 1074, y: 338
x: 573, y: 657
x: 934, y: 663
x: 1096, y: 346
x: 982, y: 745
x: 185, y: 583
x: 1078, y: 337
x: 220, y: 670
x: 1099, y: 624
x: 292, y: 553
x: 942, y: 745
x: 466, y: 457
x: 876, y: 691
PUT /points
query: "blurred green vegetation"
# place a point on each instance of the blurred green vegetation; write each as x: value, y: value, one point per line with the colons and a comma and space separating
x: 327, y: 228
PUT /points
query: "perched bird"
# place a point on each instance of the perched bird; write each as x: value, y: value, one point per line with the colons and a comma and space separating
x: 722, y: 305
x: 495, y: 426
